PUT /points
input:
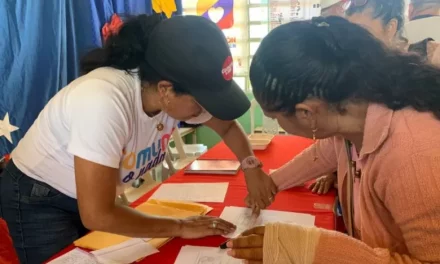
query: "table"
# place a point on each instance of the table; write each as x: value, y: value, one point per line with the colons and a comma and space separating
x: 298, y: 199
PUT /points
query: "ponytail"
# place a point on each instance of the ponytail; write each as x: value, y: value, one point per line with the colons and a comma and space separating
x: 94, y: 59
x: 125, y: 50
x: 411, y: 82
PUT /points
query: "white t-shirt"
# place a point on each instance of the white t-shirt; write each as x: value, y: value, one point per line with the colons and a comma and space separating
x: 98, y: 117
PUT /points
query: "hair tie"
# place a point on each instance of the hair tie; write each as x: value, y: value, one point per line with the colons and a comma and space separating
x: 320, y: 21
x: 111, y: 28
x: 322, y: 24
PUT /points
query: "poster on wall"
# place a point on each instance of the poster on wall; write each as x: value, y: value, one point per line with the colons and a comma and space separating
x: 284, y: 11
x: 230, y: 17
x: 219, y: 11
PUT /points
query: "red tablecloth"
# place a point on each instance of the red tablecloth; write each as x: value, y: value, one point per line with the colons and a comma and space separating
x: 300, y: 199
x: 7, y: 251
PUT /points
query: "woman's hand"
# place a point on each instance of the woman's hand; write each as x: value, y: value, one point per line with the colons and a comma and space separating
x: 261, y: 189
x: 202, y: 226
x: 248, y: 246
x: 260, y: 186
x: 324, y: 184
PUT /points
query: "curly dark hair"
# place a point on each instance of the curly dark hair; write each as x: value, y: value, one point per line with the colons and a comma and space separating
x: 338, y: 61
x: 127, y: 50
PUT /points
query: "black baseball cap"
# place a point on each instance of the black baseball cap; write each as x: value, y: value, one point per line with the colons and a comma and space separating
x: 192, y: 52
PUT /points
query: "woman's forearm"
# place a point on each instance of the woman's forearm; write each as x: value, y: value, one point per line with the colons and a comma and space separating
x: 126, y: 221
x: 319, y: 246
x: 96, y: 194
x: 313, y: 162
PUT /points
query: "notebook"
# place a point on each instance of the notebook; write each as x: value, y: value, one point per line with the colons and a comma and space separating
x: 222, y: 167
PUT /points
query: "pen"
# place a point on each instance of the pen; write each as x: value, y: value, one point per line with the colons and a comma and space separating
x: 223, y: 245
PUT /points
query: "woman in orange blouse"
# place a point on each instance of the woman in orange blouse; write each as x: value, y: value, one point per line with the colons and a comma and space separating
x: 375, y: 113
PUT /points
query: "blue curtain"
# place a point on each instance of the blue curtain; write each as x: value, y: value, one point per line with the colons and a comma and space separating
x: 41, y: 43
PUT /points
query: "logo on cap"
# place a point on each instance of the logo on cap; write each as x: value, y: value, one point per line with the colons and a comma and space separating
x: 228, y: 69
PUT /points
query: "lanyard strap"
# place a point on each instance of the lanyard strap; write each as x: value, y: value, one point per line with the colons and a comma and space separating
x: 350, y: 214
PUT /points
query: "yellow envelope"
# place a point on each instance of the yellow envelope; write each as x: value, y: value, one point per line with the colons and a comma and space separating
x: 99, y: 240
x: 188, y: 206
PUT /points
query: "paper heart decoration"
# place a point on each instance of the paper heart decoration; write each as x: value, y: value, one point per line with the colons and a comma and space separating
x: 216, y: 13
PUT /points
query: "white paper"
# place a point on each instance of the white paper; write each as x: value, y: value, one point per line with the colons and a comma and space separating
x: 192, y: 192
x: 244, y: 220
x: 126, y: 252
x: 75, y: 256
x: 204, y: 255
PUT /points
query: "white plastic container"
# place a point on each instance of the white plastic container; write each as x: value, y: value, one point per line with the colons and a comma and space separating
x: 260, y: 141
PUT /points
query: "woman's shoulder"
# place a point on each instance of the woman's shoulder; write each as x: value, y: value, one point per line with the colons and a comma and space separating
x: 410, y: 152
x: 104, y: 83
x: 106, y: 89
x: 119, y: 78
x: 414, y: 122
x: 413, y: 133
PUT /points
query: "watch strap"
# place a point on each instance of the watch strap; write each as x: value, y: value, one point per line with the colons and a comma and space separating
x: 251, y: 162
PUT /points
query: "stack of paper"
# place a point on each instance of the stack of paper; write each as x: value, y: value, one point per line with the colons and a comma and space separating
x: 244, y: 220
x: 75, y: 256
x: 125, y: 253
x: 204, y: 255
x: 194, y: 192
x: 99, y: 240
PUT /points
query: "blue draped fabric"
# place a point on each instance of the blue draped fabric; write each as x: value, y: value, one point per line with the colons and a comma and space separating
x: 40, y: 47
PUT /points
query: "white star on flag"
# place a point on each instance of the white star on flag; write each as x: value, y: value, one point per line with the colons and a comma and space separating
x: 6, y: 128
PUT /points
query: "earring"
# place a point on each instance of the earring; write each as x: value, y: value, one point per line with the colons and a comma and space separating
x: 165, y: 103
x: 315, y: 158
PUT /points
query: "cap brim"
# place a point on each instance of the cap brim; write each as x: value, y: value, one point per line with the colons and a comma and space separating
x: 227, y: 104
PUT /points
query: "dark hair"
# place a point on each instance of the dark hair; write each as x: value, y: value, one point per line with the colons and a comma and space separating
x: 337, y: 61
x: 126, y: 50
x: 383, y: 9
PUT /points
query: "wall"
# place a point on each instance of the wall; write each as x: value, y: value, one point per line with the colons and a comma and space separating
x: 240, y: 23
x: 208, y: 137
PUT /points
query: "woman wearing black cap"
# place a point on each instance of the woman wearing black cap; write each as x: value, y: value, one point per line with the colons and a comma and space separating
x: 110, y: 126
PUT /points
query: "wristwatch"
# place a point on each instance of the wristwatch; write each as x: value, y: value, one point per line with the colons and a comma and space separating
x: 251, y: 162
